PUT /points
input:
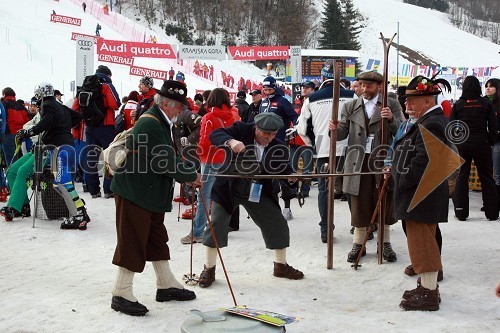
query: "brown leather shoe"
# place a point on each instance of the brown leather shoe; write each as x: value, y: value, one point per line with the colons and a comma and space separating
x: 287, y: 271
x: 421, y: 299
x: 409, y: 293
x: 410, y: 271
x: 207, y: 277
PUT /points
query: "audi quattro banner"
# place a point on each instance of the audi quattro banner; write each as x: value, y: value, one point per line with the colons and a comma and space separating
x: 65, y: 19
x: 154, y: 73
x: 252, y: 53
x: 134, y: 49
x: 202, y: 52
x: 74, y: 35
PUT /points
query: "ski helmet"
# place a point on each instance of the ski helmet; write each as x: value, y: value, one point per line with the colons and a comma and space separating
x: 147, y: 81
x: 44, y: 89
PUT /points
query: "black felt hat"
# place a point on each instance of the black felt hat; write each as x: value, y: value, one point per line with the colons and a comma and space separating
x: 174, y: 90
x: 423, y: 86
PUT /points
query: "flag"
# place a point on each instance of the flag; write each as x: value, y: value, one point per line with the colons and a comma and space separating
x: 422, y: 70
x: 405, y: 69
x: 480, y: 72
x: 350, y: 68
x: 413, y: 70
x: 487, y: 71
x: 376, y: 65
x: 369, y: 65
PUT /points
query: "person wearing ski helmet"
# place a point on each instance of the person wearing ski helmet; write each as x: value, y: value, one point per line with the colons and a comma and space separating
x: 54, y: 128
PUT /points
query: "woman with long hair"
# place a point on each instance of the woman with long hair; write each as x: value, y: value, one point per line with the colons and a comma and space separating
x: 474, y: 116
x: 220, y: 114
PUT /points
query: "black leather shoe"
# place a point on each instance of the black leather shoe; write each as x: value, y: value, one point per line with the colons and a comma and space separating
x: 123, y: 305
x: 175, y: 294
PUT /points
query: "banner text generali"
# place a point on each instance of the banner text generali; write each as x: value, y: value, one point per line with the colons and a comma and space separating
x: 134, y: 49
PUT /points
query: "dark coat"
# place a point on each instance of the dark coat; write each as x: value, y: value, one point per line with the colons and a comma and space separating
x: 275, y: 161
x: 148, y: 175
x: 282, y: 107
x: 409, y: 163
x: 251, y: 112
x: 479, y: 117
x: 242, y: 106
x: 188, y: 125
x: 55, y: 123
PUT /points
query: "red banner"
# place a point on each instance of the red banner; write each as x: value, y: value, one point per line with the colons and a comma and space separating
x: 154, y: 73
x: 74, y: 35
x: 134, y: 49
x: 258, y: 52
x: 65, y: 19
x: 116, y: 59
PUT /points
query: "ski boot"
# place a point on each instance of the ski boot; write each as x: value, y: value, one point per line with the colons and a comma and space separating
x: 78, y: 221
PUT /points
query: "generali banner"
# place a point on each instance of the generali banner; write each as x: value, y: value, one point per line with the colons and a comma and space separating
x: 65, y: 19
x: 202, y: 52
x: 134, y: 49
x: 74, y: 35
x: 252, y: 53
x: 115, y: 59
x: 154, y: 73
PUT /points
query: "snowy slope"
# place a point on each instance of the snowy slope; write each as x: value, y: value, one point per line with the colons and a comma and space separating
x: 35, y: 49
x: 60, y: 281
x: 424, y: 30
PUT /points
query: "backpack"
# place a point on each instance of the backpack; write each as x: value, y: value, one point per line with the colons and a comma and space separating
x: 120, y: 121
x: 91, y: 101
x: 52, y: 202
x: 115, y: 155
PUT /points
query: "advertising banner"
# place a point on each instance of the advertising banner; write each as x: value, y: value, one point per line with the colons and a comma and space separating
x: 74, y: 35
x: 115, y: 59
x: 134, y: 49
x: 84, y: 58
x: 252, y: 53
x: 65, y: 19
x: 202, y: 52
x: 154, y: 73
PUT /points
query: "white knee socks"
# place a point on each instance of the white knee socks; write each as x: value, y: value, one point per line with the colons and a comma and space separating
x: 211, y: 256
x: 164, y: 277
x: 280, y: 256
x: 359, y: 235
x: 123, y: 284
x: 387, y: 233
x: 429, y: 280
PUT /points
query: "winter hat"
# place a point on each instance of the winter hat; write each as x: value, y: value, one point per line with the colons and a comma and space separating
x: 174, y: 90
x: 34, y: 101
x: 44, y: 89
x: 241, y: 94
x: 308, y: 84
x: 57, y: 92
x: 147, y: 81
x: 328, y: 69
x: 103, y: 70
x: 269, y: 82
x: 256, y: 92
x: 198, y: 97
x: 423, y: 86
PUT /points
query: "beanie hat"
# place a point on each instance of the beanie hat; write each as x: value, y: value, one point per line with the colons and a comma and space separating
x: 241, y: 94
x: 269, y: 82
x: 103, y: 70
x: 147, y: 81
x: 328, y: 69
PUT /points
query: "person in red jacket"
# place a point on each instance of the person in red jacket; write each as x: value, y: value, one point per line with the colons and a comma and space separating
x: 130, y: 107
x: 220, y: 114
x: 17, y: 116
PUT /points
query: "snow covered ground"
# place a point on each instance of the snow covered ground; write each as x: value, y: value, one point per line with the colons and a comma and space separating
x: 60, y: 281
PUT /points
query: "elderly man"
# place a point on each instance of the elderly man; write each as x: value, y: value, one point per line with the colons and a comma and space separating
x: 360, y: 123
x: 412, y: 153
x: 258, y: 143
x: 253, y: 108
x: 143, y: 193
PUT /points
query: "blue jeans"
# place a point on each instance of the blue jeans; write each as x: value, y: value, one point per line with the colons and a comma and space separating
x: 322, y: 196
x: 307, y: 154
x: 97, y: 137
x: 9, y: 146
x: 200, y: 220
x: 496, y: 163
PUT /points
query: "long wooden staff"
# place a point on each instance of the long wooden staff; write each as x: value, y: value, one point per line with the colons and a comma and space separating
x: 383, y: 142
x: 332, y: 165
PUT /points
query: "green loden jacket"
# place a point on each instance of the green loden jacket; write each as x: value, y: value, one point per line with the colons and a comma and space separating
x: 147, y: 178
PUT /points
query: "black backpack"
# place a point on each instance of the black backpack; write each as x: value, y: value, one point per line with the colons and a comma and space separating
x: 91, y: 101
x: 52, y: 202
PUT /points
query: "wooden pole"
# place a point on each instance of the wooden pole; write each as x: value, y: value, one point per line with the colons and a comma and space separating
x: 332, y: 165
